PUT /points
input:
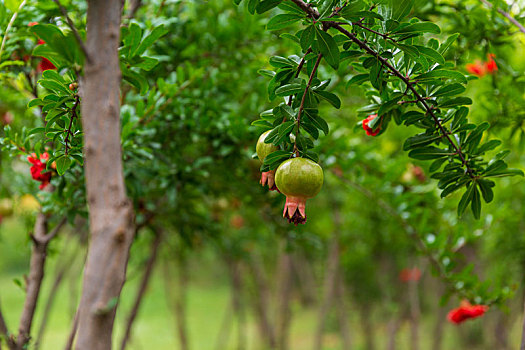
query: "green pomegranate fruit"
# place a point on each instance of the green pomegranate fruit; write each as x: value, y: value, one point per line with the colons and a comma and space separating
x: 298, y: 179
x: 6, y: 207
x: 263, y: 149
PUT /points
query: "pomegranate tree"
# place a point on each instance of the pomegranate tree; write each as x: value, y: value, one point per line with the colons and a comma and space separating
x: 298, y: 179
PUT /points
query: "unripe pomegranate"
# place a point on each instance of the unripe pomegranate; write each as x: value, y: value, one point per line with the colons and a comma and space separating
x: 263, y: 149
x: 298, y: 179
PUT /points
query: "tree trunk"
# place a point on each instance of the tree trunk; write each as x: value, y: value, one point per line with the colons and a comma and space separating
x: 342, y: 307
x: 60, y: 272
x: 393, y: 328
x: 306, y: 278
x: 180, y: 303
x: 238, y: 303
x: 142, y: 288
x: 261, y: 302
x: 41, y: 238
x: 368, y: 328
x: 330, y: 282
x: 110, y: 211
x: 284, y: 295
x: 415, y: 312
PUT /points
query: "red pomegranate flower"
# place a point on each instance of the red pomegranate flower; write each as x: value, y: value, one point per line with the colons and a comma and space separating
x: 477, y: 68
x: 407, y: 275
x: 465, y: 312
x: 30, y: 24
x: 491, y: 65
x: 38, y: 168
x: 369, y: 130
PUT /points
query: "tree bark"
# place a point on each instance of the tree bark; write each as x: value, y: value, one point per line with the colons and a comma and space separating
x: 393, y: 327
x: 302, y: 267
x: 342, y: 307
x: 368, y: 328
x: 110, y: 211
x: 330, y: 282
x: 59, y: 276
x: 284, y: 295
x: 150, y: 264
x: 41, y: 240
x: 180, y: 302
x: 415, y: 312
x: 262, y: 302
x: 238, y: 303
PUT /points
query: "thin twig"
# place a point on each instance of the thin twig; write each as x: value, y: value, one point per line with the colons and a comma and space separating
x: 5, y: 332
x: 508, y: 15
x: 73, y: 116
x: 73, y: 29
x: 299, y: 68
x: 11, y: 22
x: 72, y: 333
x: 301, y: 107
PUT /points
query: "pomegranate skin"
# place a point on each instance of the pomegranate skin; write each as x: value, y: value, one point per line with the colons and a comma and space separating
x: 263, y: 149
x: 298, y: 179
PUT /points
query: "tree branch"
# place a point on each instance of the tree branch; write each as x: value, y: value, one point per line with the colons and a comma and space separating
x: 301, y: 107
x: 73, y: 116
x: 508, y: 15
x: 312, y: 12
x: 5, y: 332
x: 73, y: 29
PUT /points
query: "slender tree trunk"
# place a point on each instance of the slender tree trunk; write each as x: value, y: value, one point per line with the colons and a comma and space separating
x: 41, y: 239
x: 522, y: 347
x: 342, y: 307
x: 225, y: 330
x: 61, y: 270
x: 238, y: 303
x: 181, y: 301
x: 330, y: 282
x: 501, y: 332
x: 393, y: 329
x: 110, y: 211
x: 305, y: 275
x: 261, y: 301
x: 72, y: 333
x: 415, y: 312
x: 368, y: 328
x: 439, y: 326
x: 284, y: 295
x: 4, y: 332
x: 150, y: 264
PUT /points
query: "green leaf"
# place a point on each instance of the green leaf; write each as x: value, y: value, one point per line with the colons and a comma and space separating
x: 289, y: 6
x: 54, y: 86
x: 252, y: 5
x: 431, y: 53
x: 35, y: 102
x: 488, y: 146
x: 307, y: 37
x: 450, y: 40
x: 476, y: 203
x: 436, y: 164
x: 317, y: 121
x: 458, y: 101
x: 357, y: 79
x: 155, y: 34
x: 328, y: 48
x: 426, y: 153
x: 419, y: 141
x: 62, y: 163
x: 267, y: 5
x: 282, y: 21
x: 466, y: 198
x: 409, y: 50
x: 328, y: 96
x: 289, y: 89
x: 275, y: 158
x: 442, y: 73
x: 12, y: 5
x: 401, y: 8
x: 420, y: 27
x: 450, y: 90
x: 486, y: 189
